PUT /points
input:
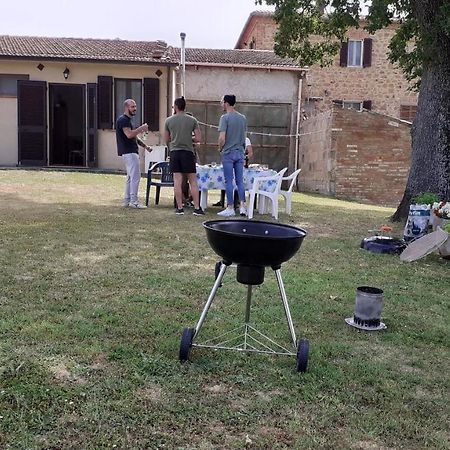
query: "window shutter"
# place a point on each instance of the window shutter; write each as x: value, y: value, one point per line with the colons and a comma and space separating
x: 339, y: 103
x: 92, y: 143
x: 32, y: 122
x: 367, y: 52
x: 344, y: 54
x: 104, y: 104
x: 151, y: 103
x: 367, y: 104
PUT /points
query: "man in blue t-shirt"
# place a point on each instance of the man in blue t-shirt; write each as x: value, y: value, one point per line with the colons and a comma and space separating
x: 232, y: 131
x: 127, y: 147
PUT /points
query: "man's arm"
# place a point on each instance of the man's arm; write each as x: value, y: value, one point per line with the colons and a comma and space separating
x: 197, y: 135
x: 130, y: 134
x: 167, y: 137
x: 222, y: 135
x: 249, y: 150
x: 143, y: 144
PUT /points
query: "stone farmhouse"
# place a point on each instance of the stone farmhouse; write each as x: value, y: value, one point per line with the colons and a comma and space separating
x: 356, y: 117
x: 360, y: 77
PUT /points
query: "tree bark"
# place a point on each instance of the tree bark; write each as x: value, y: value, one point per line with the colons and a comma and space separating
x: 430, y: 153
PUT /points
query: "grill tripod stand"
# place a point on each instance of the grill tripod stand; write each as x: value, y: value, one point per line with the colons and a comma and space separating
x: 246, y: 338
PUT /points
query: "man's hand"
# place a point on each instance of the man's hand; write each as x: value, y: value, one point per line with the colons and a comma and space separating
x: 143, y: 128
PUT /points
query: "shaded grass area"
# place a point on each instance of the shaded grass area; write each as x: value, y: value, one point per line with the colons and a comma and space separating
x: 94, y: 299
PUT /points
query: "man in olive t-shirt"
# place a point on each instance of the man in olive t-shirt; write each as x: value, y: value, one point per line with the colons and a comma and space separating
x: 181, y: 130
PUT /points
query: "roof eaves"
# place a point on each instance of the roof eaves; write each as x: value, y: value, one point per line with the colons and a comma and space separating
x: 248, y: 66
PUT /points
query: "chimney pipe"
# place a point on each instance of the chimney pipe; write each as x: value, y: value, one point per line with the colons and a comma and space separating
x: 183, y: 65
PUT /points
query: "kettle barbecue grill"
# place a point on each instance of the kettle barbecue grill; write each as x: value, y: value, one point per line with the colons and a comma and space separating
x: 252, y: 246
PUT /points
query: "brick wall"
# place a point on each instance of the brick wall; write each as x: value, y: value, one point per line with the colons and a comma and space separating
x: 372, y: 156
x: 363, y: 156
x: 382, y: 82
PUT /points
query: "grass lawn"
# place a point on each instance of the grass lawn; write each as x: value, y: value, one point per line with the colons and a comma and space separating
x: 94, y: 298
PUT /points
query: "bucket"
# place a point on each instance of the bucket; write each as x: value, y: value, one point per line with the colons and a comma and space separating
x: 368, y: 307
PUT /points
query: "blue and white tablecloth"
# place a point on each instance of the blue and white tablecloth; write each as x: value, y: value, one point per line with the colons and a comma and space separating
x: 213, y: 178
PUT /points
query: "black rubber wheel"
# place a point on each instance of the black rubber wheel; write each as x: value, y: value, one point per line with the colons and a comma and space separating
x: 302, y: 355
x: 186, y: 343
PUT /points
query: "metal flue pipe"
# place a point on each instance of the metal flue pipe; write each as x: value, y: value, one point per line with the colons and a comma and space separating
x: 183, y: 65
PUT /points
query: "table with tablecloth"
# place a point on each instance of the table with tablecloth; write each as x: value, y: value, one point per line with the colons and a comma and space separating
x: 212, y: 178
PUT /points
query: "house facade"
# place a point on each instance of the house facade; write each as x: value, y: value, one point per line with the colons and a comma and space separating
x: 59, y: 98
x: 361, y: 76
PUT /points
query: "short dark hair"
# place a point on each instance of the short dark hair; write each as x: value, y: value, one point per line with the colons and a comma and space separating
x: 180, y: 103
x: 230, y: 99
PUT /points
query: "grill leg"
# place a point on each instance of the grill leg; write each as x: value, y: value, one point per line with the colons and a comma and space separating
x: 286, y: 306
x: 247, y: 312
x: 212, y: 294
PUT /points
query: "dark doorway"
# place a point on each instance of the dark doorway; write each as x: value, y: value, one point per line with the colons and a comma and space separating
x: 67, y: 125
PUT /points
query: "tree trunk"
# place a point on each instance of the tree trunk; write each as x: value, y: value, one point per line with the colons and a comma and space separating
x: 430, y: 154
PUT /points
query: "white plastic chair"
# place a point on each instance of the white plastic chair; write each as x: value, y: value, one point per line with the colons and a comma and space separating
x: 288, y: 194
x: 260, y: 188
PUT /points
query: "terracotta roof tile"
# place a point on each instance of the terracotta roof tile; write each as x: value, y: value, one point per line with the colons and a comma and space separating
x: 234, y: 57
x: 148, y: 52
x: 85, y: 49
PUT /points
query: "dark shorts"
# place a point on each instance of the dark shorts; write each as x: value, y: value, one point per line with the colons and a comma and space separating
x: 182, y: 161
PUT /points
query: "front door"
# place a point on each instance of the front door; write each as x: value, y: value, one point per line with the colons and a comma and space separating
x: 67, y: 132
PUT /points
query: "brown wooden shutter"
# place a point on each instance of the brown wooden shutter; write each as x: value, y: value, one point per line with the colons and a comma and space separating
x: 344, y: 54
x: 92, y: 147
x: 32, y: 122
x: 151, y: 103
x: 367, y: 52
x: 367, y: 104
x: 105, y: 102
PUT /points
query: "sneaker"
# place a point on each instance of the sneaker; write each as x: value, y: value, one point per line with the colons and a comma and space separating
x: 179, y: 211
x: 136, y: 205
x: 227, y: 212
x: 243, y: 211
x: 189, y: 204
x: 218, y: 204
x: 198, y: 212
x: 125, y: 204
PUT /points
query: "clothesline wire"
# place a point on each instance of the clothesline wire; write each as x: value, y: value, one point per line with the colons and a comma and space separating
x: 270, y: 134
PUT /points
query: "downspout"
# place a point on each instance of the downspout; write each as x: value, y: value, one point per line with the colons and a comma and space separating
x: 297, y: 127
x: 183, y: 65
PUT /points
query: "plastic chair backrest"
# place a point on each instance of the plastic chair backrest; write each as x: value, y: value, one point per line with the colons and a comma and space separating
x: 164, y: 169
x: 292, y: 178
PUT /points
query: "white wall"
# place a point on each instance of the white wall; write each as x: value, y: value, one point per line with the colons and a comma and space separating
x: 249, y: 85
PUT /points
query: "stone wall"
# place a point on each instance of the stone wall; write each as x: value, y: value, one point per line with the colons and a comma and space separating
x: 381, y: 83
x: 315, y: 155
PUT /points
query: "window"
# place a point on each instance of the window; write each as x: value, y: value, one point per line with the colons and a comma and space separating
x: 355, y: 53
x: 8, y: 84
x: 408, y: 112
x: 357, y: 106
x: 124, y: 89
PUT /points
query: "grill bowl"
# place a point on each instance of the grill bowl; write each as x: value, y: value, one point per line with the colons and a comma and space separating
x: 252, y: 242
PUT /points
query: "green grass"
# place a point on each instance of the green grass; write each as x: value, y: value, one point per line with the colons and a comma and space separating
x: 94, y: 298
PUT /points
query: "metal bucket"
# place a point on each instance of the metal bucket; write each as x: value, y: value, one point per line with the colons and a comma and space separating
x: 368, y: 308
